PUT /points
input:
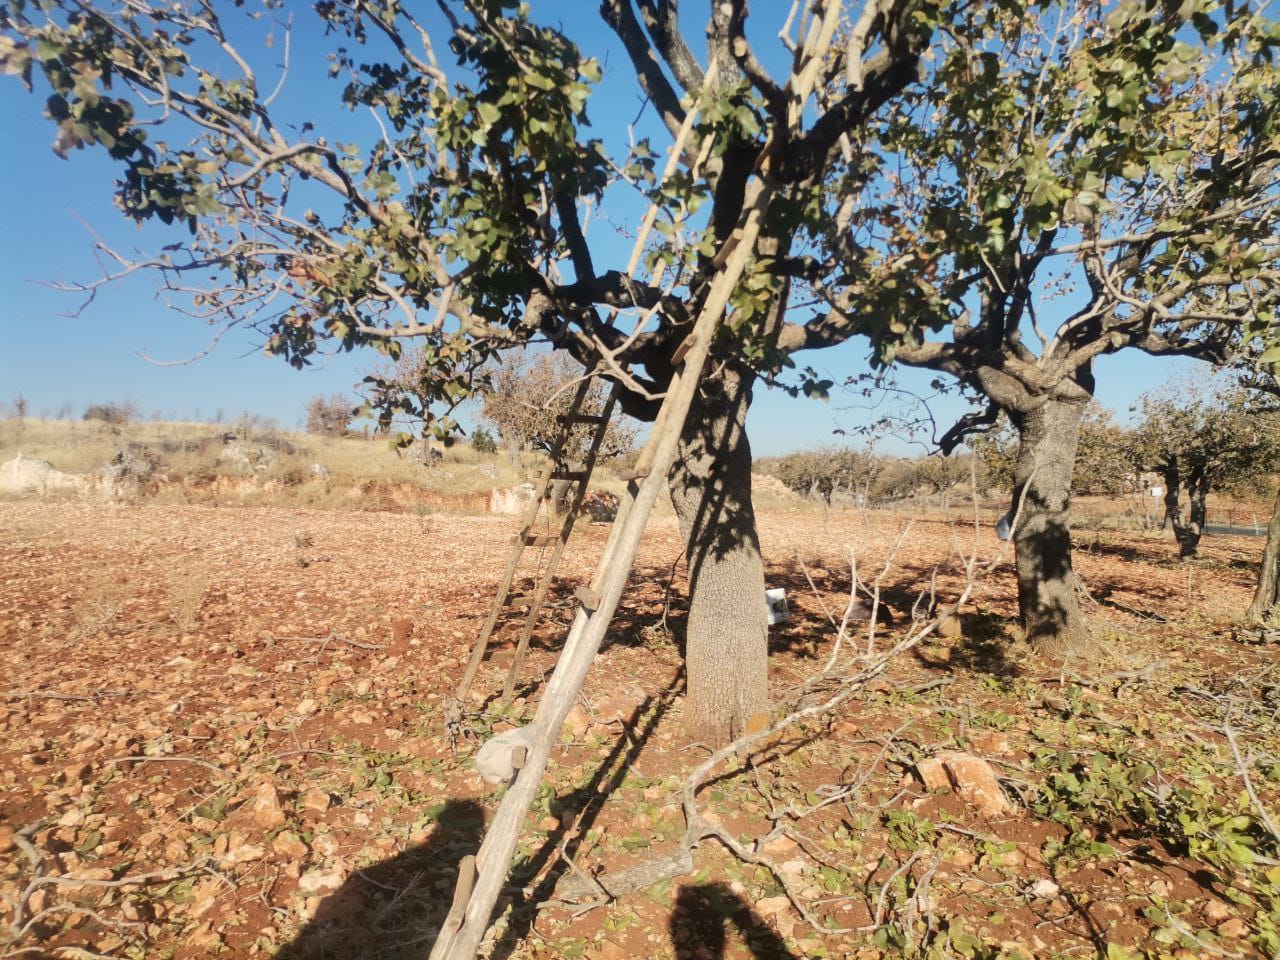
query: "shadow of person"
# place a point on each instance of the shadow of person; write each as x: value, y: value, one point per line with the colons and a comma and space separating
x: 392, y: 910
x: 699, y: 925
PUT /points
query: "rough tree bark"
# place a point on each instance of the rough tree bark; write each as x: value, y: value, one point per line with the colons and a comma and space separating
x: 1048, y: 437
x: 1186, y: 532
x: 1265, y: 609
x: 726, y: 651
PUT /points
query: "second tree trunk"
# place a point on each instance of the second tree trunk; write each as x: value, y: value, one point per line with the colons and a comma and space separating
x: 1187, y: 532
x: 1047, y: 601
x: 1265, y: 609
x: 726, y: 652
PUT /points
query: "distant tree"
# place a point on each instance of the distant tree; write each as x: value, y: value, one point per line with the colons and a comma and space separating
x: 482, y: 441
x: 1104, y: 464
x: 940, y: 474
x: 19, y: 407
x: 524, y: 398
x: 115, y: 414
x: 1199, y: 439
x: 823, y: 472
x: 996, y: 450
x: 895, y: 479
x: 329, y: 415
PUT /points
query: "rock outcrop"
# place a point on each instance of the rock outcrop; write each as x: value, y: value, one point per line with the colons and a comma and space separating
x: 28, y: 475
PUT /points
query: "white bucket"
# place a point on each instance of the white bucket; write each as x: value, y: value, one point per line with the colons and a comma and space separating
x: 775, y: 602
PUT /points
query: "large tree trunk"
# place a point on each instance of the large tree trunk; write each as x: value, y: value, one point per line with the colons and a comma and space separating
x: 726, y: 652
x: 1048, y: 437
x: 1265, y: 609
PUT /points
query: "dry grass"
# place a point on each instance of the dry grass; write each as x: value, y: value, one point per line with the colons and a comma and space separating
x: 97, y: 604
x: 305, y: 471
x: 184, y: 594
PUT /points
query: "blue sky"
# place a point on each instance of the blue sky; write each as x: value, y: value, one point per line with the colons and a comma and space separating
x: 53, y: 359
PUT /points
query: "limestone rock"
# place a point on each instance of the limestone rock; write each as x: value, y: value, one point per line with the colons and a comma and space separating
x: 288, y: 844
x: 578, y: 721
x: 320, y: 881
x: 970, y: 776
x: 493, y: 760
x: 512, y: 501
x: 315, y: 801
x: 27, y: 475
x: 267, y: 814
x: 256, y: 457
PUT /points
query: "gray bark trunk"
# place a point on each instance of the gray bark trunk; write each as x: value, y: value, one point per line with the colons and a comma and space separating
x: 1265, y: 609
x: 1047, y: 601
x: 726, y: 650
x: 1186, y: 531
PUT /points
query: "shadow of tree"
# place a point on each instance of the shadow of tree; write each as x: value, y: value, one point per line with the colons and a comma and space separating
x: 393, y: 909
x: 700, y: 920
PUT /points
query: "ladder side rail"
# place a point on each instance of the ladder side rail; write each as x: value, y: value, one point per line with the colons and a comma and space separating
x: 548, y: 575
x: 527, y: 523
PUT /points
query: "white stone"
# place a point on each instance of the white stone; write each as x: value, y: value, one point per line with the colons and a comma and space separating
x: 493, y: 760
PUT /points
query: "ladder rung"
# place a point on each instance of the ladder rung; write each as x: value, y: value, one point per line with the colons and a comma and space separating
x: 638, y: 474
x: 681, y: 351
x: 588, y: 598
x: 540, y: 539
x: 581, y: 418
x: 519, y: 599
x: 569, y: 474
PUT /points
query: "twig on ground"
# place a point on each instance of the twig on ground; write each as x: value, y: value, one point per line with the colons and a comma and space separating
x: 55, y: 695
x: 172, y: 759
x: 333, y: 635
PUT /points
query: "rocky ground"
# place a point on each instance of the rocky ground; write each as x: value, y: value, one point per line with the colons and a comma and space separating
x: 220, y: 734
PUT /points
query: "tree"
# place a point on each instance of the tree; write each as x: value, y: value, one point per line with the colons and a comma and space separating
x: 525, y: 398
x: 1199, y: 439
x: 1104, y: 464
x: 482, y: 441
x: 463, y: 225
x: 823, y: 472
x: 1104, y: 181
x: 329, y: 415
x: 941, y: 474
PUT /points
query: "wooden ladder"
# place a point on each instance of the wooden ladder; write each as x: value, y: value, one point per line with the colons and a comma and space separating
x: 557, y: 469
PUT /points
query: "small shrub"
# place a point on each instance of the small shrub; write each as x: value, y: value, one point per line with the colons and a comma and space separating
x: 329, y: 415
x: 114, y: 414
x: 184, y: 595
x: 482, y: 441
